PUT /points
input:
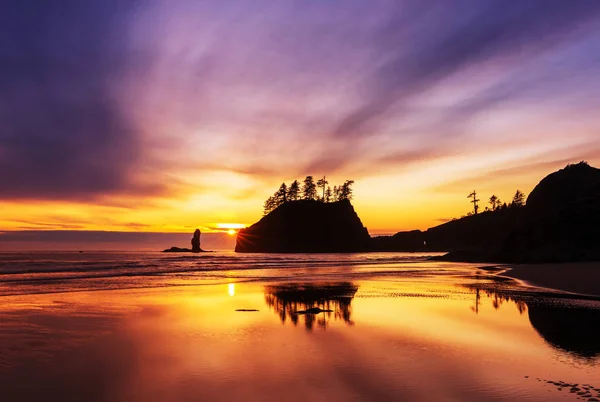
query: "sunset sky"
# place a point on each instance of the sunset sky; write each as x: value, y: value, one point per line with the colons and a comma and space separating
x: 170, y: 115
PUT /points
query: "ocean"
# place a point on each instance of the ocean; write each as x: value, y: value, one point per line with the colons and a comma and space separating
x: 43, y: 272
x: 221, y: 326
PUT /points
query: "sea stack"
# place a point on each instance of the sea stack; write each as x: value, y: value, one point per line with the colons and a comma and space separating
x: 195, y: 245
x: 196, y: 242
x: 306, y: 226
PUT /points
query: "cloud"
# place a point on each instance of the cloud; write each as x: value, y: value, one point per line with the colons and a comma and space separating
x: 134, y: 98
x: 537, y: 169
x: 27, y: 225
x: 420, y: 47
x: 62, y: 134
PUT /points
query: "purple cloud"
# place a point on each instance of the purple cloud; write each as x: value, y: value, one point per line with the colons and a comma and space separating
x: 94, y: 97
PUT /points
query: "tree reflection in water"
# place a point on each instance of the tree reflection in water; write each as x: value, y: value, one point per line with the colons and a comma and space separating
x: 498, y: 299
x: 314, y: 302
x: 566, y: 322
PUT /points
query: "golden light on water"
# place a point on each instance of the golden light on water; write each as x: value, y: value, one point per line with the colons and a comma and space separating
x: 444, y: 334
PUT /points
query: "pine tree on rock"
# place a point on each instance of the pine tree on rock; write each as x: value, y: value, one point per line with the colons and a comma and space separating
x: 281, y: 194
x: 518, y: 199
x: 321, y: 184
x: 293, y: 191
x: 328, y: 194
x: 309, y: 190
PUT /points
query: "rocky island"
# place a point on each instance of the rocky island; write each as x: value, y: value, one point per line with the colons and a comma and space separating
x: 195, y: 245
x: 559, y: 222
x: 306, y: 226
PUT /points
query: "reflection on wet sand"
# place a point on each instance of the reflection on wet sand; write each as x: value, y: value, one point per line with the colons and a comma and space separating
x: 571, y: 329
x: 564, y: 324
x: 189, y: 343
x: 497, y: 299
x: 315, y: 303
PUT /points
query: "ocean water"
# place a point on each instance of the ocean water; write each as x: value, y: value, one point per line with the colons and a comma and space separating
x: 324, y: 327
x: 42, y: 272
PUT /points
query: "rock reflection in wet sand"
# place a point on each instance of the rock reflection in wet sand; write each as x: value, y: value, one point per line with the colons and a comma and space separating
x: 190, y: 344
x: 314, y: 302
x: 565, y: 324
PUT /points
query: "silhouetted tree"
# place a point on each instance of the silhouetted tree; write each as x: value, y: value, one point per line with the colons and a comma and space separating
x: 270, y: 205
x: 293, y: 191
x: 328, y: 194
x: 322, y: 183
x: 345, y: 190
x: 518, y: 199
x: 493, y: 202
x: 309, y: 190
x: 336, y: 193
x: 281, y: 194
x: 280, y: 197
x: 582, y: 163
x: 475, y: 201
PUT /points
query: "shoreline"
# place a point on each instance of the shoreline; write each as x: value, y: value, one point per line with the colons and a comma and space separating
x: 576, y: 277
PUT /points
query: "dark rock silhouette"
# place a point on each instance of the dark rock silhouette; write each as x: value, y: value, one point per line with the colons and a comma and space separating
x: 569, y: 188
x: 559, y: 223
x: 562, y: 223
x: 306, y: 227
x: 471, y: 237
x: 315, y: 302
x: 401, y: 241
x: 195, y: 245
x: 177, y: 250
x: 196, y: 242
x: 313, y: 310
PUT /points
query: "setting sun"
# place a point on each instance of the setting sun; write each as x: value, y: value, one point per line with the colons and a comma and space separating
x: 231, y: 232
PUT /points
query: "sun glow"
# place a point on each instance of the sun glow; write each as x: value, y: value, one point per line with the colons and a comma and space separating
x: 231, y: 232
x: 230, y: 225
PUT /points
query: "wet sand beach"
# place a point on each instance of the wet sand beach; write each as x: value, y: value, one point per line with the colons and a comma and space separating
x: 372, y: 327
x: 581, y: 277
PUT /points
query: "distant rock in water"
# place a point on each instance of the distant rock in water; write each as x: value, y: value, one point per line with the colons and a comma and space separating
x: 177, y: 250
x: 306, y: 227
x: 195, y: 245
x: 196, y: 242
x: 413, y: 240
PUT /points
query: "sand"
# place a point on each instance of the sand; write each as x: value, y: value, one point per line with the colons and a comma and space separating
x: 582, y: 277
